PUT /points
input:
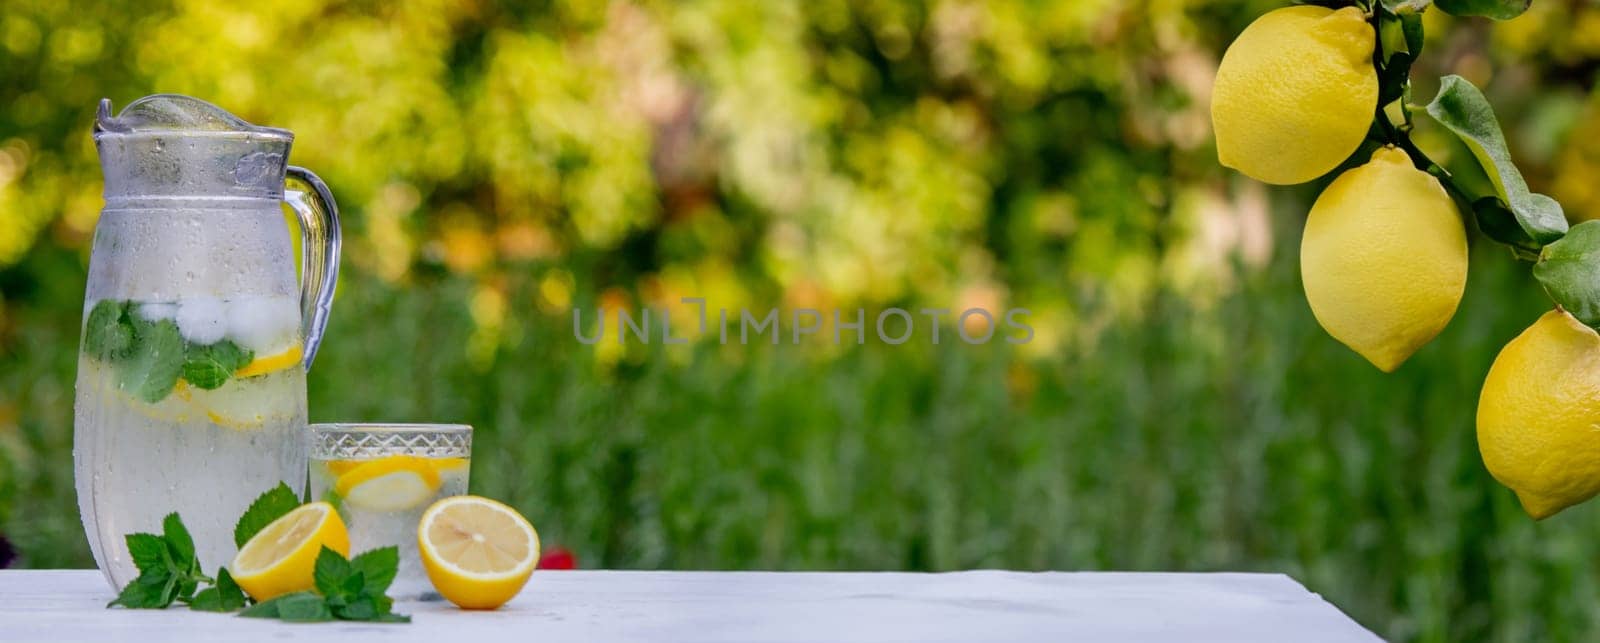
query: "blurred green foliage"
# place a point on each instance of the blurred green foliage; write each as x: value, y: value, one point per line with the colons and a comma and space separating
x: 499, y: 163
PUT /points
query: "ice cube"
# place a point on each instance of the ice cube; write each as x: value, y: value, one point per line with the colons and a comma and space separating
x: 202, y: 320
x: 263, y: 324
x: 156, y: 311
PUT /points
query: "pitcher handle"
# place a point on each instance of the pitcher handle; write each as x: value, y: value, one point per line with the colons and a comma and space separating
x: 319, y: 255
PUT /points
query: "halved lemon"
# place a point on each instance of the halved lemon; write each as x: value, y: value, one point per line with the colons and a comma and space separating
x: 391, y: 483
x: 282, y: 557
x: 478, y: 552
x: 274, y: 362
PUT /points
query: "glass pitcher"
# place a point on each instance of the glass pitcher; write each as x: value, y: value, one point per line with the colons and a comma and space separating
x: 191, y: 392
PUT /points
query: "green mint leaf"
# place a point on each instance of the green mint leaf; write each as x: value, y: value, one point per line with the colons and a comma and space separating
x: 155, y: 362
x: 364, y: 608
x: 266, y: 508
x: 331, y: 572
x: 302, y: 607
x: 379, y: 567
x: 1462, y: 109
x: 371, y: 608
x: 148, y: 551
x: 264, y: 609
x: 353, y: 585
x: 231, y: 593
x: 179, y: 543
x: 333, y: 498
x: 225, y: 596
x: 204, y: 374
x: 107, y: 335
x: 209, y: 366
x: 208, y: 600
x: 1496, y: 9
x: 149, y: 591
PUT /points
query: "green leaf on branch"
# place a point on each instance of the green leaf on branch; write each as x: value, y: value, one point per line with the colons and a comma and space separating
x: 1569, y: 270
x: 1500, y: 224
x: 1399, y: 45
x: 1497, y: 9
x: 1405, y: 6
x: 1462, y: 109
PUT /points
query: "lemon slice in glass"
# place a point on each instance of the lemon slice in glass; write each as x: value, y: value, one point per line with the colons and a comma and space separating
x: 282, y: 557
x: 392, y: 483
x: 478, y: 552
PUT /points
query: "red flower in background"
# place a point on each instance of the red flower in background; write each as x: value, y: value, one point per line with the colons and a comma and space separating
x: 558, y: 558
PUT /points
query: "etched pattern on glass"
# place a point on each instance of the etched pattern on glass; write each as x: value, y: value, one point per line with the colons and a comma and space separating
x: 365, y: 445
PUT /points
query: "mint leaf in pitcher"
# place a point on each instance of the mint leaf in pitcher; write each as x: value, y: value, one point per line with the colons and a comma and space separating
x: 155, y: 360
x: 209, y: 366
x: 107, y: 333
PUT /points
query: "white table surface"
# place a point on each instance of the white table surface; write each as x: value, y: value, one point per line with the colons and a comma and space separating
x: 69, y: 605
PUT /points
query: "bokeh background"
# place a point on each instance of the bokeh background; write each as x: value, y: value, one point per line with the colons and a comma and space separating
x: 500, y: 163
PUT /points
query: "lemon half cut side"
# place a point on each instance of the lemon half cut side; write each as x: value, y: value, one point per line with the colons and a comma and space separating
x: 478, y: 552
x: 282, y: 557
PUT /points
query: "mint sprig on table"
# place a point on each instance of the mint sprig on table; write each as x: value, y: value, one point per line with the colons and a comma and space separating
x: 168, y: 570
x: 347, y: 589
x: 149, y: 357
x: 350, y: 590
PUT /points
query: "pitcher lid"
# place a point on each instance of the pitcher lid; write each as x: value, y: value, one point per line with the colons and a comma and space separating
x: 176, y: 114
x: 171, y: 146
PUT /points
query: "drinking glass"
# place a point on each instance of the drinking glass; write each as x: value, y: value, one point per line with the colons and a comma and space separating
x: 381, y: 477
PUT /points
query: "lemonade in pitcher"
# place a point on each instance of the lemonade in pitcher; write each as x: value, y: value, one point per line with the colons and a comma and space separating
x: 191, y: 393
x: 197, y: 404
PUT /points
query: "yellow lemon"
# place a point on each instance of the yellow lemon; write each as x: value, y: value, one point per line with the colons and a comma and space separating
x: 281, y: 557
x: 1384, y: 259
x: 276, y: 362
x: 1539, y: 412
x: 442, y: 465
x: 248, y: 405
x: 1295, y: 93
x: 392, y: 483
x: 478, y: 552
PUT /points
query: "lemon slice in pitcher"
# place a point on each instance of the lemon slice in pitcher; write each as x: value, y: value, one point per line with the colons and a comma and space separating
x: 392, y: 483
x: 290, y: 356
x: 478, y: 552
